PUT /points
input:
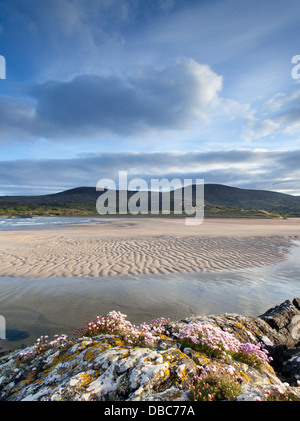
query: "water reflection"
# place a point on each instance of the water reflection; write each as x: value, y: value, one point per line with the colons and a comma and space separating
x: 57, y: 305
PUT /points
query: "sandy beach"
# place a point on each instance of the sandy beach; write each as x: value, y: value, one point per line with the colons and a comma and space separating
x: 130, y: 246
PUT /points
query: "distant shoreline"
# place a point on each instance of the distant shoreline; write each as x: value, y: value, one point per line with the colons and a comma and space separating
x: 217, y: 213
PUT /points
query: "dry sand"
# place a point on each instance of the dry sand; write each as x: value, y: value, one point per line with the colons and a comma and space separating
x: 130, y: 245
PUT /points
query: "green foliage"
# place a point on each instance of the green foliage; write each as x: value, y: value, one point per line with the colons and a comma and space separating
x: 213, y: 387
x: 215, y: 211
x: 252, y: 360
x: 212, y: 352
x: 26, y: 210
x: 32, y: 210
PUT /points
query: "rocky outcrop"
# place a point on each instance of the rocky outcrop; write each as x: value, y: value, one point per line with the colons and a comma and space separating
x: 107, y: 367
x: 285, y: 322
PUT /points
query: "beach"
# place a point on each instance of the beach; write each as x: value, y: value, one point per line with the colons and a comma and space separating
x: 132, y: 246
x: 54, y: 280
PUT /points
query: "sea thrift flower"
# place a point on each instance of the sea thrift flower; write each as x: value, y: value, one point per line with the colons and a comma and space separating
x: 116, y: 323
x: 42, y: 345
x: 219, y: 344
x: 256, y: 353
x: 210, y: 339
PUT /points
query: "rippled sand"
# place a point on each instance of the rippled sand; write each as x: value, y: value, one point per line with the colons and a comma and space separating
x: 145, y: 246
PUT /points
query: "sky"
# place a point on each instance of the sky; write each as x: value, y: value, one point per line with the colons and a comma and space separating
x: 189, y: 89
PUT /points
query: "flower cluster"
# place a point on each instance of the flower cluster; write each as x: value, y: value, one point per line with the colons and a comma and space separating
x: 219, y: 344
x: 256, y: 354
x: 116, y: 323
x: 215, y: 384
x: 277, y: 394
x: 209, y: 339
x: 42, y: 344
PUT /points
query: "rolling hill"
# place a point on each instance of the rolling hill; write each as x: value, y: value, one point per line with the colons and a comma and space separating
x: 214, y: 194
x: 83, y: 199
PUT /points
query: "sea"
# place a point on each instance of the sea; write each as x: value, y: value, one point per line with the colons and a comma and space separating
x: 13, y: 224
x: 31, y: 307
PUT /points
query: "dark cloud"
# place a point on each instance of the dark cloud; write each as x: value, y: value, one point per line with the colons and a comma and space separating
x: 90, y: 105
x: 16, y: 118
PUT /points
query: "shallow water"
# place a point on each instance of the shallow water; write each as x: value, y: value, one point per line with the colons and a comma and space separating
x: 13, y: 224
x: 35, y: 307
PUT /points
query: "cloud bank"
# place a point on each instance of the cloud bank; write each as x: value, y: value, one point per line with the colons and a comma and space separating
x: 258, y: 169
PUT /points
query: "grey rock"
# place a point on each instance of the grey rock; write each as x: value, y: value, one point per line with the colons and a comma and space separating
x: 290, y: 371
x: 284, y: 319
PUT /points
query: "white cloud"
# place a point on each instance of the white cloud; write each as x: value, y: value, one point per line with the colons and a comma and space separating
x: 279, y: 115
x: 281, y: 100
x: 257, y: 129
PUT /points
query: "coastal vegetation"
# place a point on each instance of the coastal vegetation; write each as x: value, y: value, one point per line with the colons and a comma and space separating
x: 30, y: 210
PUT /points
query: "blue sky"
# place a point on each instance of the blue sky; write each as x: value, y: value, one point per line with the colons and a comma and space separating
x: 158, y: 88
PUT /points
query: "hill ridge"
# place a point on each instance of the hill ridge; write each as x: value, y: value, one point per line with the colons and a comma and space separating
x: 214, y: 194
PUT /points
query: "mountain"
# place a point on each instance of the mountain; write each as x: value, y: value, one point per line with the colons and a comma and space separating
x: 226, y: 196
x: 214, y: 195
x: 76, y: 195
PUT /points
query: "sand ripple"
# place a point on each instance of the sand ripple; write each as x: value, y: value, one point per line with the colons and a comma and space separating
x: 96, y: 257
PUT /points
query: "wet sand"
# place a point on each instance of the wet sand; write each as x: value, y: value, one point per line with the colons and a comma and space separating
x: 133, y: 246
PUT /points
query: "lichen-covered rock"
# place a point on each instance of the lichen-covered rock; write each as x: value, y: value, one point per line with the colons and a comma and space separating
x: 105, y: 367
x: 98, y: 368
